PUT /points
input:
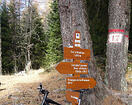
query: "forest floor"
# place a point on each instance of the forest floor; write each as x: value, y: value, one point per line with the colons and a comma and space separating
x: 21, y: 89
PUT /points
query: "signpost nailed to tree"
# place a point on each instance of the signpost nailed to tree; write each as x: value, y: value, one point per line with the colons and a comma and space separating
x: 76, y: 68
x: 72, y: 96
x: 72, y: 68
x: 77, y: 83
x: 76, y: 53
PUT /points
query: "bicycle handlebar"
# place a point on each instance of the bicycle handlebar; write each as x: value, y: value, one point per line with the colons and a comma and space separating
x: 41, y: 90
x: 45, y: 99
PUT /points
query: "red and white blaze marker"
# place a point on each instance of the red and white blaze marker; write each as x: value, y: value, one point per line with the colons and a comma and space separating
x: 116, y: 35
x: 126, y: 36
x: 116, y: 30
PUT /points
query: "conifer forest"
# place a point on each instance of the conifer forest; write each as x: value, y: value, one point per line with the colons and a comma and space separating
x: 28, y: 38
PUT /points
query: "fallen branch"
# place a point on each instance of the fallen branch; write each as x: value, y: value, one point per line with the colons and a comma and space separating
x: 2, y: 89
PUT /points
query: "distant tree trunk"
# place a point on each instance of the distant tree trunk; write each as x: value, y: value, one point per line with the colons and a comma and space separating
x: 29, y: 35
x: 119, y: 12
x: 73, y: 16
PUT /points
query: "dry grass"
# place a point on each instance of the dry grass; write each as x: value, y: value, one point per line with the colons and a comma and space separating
x: 23, y: 89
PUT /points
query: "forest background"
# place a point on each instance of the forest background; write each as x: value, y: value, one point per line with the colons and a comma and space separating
x: 31, y: 39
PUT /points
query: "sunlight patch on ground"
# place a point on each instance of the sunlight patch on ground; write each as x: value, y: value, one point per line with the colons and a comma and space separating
x: 8, y: 82
x: 23, y: 89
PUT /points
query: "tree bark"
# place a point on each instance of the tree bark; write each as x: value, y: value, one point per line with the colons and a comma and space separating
x: 117, y: 52
x: 73, y: 16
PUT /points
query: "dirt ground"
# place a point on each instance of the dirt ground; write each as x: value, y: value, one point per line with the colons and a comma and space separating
x: 22, y: 89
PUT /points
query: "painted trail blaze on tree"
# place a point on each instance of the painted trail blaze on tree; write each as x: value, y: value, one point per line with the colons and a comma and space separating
x: 115, y: 35
x: 117, y: 44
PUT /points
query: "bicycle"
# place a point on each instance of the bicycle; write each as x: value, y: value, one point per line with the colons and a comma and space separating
x: 46, y: 100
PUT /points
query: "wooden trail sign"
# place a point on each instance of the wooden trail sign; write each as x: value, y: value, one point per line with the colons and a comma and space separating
x: 74, y: 104
x: 77, y: 83
x: 76, y: 53
x: 72, y: 68
x: 72, y: 97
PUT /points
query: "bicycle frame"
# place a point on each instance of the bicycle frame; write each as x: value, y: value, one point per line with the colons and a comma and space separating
x: 46, y: 100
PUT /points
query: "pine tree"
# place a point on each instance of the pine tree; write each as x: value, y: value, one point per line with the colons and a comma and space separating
x: 26, y: 34
x: 0, y: 44
x: 14, y: 26
x: 38, y: 40
x: 54, y: 46
x: 7, y: 52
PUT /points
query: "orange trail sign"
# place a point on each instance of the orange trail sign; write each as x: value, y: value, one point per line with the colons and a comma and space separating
x: 72, y: 68
x: 77, y: 83
x: 76, y: 53
x: 72, y: 97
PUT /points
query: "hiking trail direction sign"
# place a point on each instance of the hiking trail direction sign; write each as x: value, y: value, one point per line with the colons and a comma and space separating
x: 77, y: 83
x: 72, y: 97
x: 76, y: 53
x: 72, y: 68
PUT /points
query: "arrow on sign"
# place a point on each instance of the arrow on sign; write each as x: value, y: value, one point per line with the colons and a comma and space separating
x: 72, y: 68
x: 77, y: 83
x: 72, y: 97
x: 76, y: 53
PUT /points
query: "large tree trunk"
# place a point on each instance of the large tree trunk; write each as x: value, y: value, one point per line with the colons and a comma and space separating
x: 117, y: 52
x: 73, y: 16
